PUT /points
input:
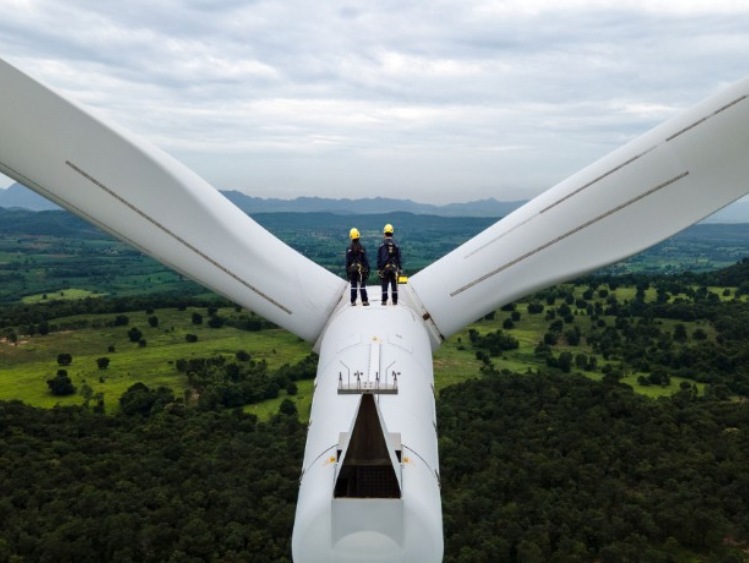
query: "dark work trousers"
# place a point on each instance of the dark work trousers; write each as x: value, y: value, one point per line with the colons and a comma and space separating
x: 389, y: 279
x: 358, y: 280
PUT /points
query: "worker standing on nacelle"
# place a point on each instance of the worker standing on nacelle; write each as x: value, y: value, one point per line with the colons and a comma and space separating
x: 357, y: 267
x: 389, y: 265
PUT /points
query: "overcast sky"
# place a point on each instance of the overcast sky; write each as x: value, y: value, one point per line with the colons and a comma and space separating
x: 430, y: 100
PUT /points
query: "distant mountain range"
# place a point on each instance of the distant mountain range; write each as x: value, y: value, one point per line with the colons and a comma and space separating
x: 367, y: 206
x: 18, y: 196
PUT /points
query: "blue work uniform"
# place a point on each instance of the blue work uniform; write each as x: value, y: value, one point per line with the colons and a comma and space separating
x: 389, y: 267
x: 357, y: 271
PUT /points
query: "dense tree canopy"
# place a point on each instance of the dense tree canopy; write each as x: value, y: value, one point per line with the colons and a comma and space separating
x: 176, y: 486
x: 538, y: 467
x: 559, y: 468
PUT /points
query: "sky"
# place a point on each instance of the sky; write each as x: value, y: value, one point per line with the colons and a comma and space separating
x: 430, y: 100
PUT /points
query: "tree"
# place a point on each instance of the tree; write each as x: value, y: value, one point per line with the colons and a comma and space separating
x: 572, y: 336
x: 141, y: 400
x: 102, y: 363
x: 64, y: 359
x: 216, y: 321
x: 288, y: 408
x: 680, y: 333
x: 564, y: 362
x: 134, y: 334
x: 529, y: 552
x: 535, y: 308
x: 13, y: 337
x: 61, y: 385
x: 86, y: 392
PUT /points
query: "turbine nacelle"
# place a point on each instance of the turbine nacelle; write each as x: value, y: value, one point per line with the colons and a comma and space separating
x: 369, y: 489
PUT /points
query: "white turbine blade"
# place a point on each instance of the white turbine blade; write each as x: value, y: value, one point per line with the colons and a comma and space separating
x: 149, y: 200
x: 639, y: 195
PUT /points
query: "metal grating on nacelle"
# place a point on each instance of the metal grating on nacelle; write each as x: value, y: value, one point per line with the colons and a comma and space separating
x: 367, y: 470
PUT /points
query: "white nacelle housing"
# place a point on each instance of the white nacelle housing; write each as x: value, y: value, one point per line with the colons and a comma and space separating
x: 370, y: 481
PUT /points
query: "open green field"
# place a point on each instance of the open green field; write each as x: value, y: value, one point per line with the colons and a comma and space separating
x: 27, y: 364
x: 61, y: 295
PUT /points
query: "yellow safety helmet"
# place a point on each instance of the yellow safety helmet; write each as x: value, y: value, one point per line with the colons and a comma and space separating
x: 388, y: 230
x: 353, y: 233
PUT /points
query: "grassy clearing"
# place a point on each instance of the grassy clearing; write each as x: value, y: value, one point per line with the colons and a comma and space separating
x: 455, y: 360
x: 62, y: 295
x: 26, y: 366
x: 302, y: 400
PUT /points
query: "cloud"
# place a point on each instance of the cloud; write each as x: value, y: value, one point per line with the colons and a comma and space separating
x: 431, y: 100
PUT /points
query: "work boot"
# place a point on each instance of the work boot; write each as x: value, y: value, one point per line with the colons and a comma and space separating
x: 366, y: 303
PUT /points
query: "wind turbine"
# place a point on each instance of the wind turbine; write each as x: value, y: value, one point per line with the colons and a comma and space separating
x: 369, y: 488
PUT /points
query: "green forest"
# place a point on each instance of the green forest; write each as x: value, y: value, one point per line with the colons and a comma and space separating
x: 145, y: 419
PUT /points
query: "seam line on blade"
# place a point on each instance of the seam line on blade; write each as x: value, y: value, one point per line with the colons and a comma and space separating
x: 570, y: 233
x: 176, y: 237
x: 702, y: 120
